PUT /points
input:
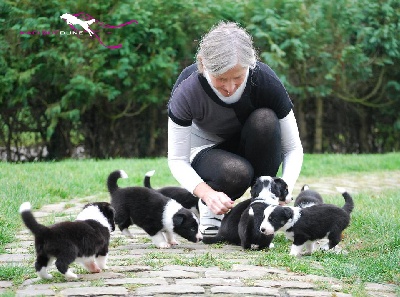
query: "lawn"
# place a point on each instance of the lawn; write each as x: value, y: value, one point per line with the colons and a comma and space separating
x: 372, y: 240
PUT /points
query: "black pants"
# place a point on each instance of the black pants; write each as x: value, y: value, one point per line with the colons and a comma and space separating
x: 233, y: 165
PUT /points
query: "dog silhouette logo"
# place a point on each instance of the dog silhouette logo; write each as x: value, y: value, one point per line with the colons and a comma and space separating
x: 73, y: 20
x: 85, y: 20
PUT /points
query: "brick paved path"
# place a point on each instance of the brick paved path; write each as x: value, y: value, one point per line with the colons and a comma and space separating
x: 136, y: 268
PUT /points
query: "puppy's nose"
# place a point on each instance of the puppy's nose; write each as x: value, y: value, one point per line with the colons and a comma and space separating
x: 262, y: 229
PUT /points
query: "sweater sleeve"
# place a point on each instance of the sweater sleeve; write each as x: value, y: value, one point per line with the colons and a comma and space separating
x: 292, y: 150
x: 179, y: 156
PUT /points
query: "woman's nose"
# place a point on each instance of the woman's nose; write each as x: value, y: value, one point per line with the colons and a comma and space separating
x: 230, y: 86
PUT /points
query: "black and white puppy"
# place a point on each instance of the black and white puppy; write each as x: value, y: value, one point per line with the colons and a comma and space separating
x: 84, y: 240
x: 181, y: 195
x: 308, y: 197
x: 306, y: 225
x: 241, y: 226
x: 158, y: 215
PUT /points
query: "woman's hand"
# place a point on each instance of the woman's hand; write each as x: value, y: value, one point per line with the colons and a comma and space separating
x: 218, y: 202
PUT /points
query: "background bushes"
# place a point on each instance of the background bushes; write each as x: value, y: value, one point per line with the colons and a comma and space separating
x: 339, y: 62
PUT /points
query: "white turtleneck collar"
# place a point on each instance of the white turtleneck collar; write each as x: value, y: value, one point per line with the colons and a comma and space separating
x: 235, y: 96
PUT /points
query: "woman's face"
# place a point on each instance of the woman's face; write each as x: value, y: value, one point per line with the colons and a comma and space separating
x: 228, y: 82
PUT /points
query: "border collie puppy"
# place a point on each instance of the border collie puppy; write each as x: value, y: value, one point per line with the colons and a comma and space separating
x: 158, y: 215
x: 84, y: 241
x: 306, y: 225
x: 308, y: 197
x: 241, y: 226
x: 181, y: 195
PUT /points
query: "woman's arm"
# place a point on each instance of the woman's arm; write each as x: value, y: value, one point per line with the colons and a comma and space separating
x: 179, y: 164
x: 292, y: 150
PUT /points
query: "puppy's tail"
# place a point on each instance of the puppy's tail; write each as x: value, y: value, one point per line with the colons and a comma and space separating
x: 349, y: 203
x: 113, y: 178
x: 305, y: 188
x: 30, y: 221
x: 146, y: 181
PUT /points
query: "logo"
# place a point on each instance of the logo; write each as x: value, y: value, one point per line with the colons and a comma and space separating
x: 85, y: 20
x: 73, y: 20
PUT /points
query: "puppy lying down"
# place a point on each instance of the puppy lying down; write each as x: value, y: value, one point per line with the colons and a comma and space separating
x: 241, y: 226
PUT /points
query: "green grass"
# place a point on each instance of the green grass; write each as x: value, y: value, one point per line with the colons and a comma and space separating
x: 372, y: 240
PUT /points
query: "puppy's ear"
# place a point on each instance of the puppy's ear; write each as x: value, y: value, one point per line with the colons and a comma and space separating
x: 283, y: 187
x: 256, y: 188
x: 178, y: 219
x: 288, y: 212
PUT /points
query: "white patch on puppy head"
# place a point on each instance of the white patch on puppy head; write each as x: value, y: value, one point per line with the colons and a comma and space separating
x: 26, y: 206
x: 266, y: 192
x: 150, y: 173
x: 251, y: 212
x: 289, y: 198
x: 265, y: 226
x: 170, y: 209
x: 92, y: 212
x: 123, y: 174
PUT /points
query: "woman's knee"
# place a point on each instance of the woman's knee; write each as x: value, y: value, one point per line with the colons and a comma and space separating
x: 262, y: 118
x: 263, y: 123
x: 235, y: 177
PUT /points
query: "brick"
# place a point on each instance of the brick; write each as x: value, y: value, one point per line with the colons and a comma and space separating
x: 259, y: 291
x: 312, y: 293
x: 95, y: 291
x: 171, y: 289
x: 284, y: 284
x: 210, y: 282
x: 138, y: 281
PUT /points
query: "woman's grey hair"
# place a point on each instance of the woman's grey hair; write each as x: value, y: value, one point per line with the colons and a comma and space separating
x: 225, y: 46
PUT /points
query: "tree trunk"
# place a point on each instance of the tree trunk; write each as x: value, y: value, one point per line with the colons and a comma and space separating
x: 152, y: 131
x: 319, y: 114
x: 59, y: 145
x: 363, y: 132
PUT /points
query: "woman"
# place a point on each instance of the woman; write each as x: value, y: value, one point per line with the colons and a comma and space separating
x: 230, y: 121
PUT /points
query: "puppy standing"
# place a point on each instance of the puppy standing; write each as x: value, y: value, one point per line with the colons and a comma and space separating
x: 85, y: 240
x: 305, y: 225
x: 241, y: 226
x: 158, y: 215
x: 181, y: 195
x: 307, y: 198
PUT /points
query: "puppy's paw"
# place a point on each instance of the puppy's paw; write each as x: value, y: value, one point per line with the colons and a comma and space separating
x: 92, y: 267
x: 295, y: 254
x: 174, y: 242
x: 271, y: 245
x: 163, y: 245
x: 45, y: 276
x: 127, y: 233
x: 70, y: 275
x: 295, y: 250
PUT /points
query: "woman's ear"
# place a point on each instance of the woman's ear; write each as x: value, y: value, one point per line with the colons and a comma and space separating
x: 200, y: 65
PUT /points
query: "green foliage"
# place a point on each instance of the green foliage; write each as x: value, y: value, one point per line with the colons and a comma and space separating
x: 68, y: 85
